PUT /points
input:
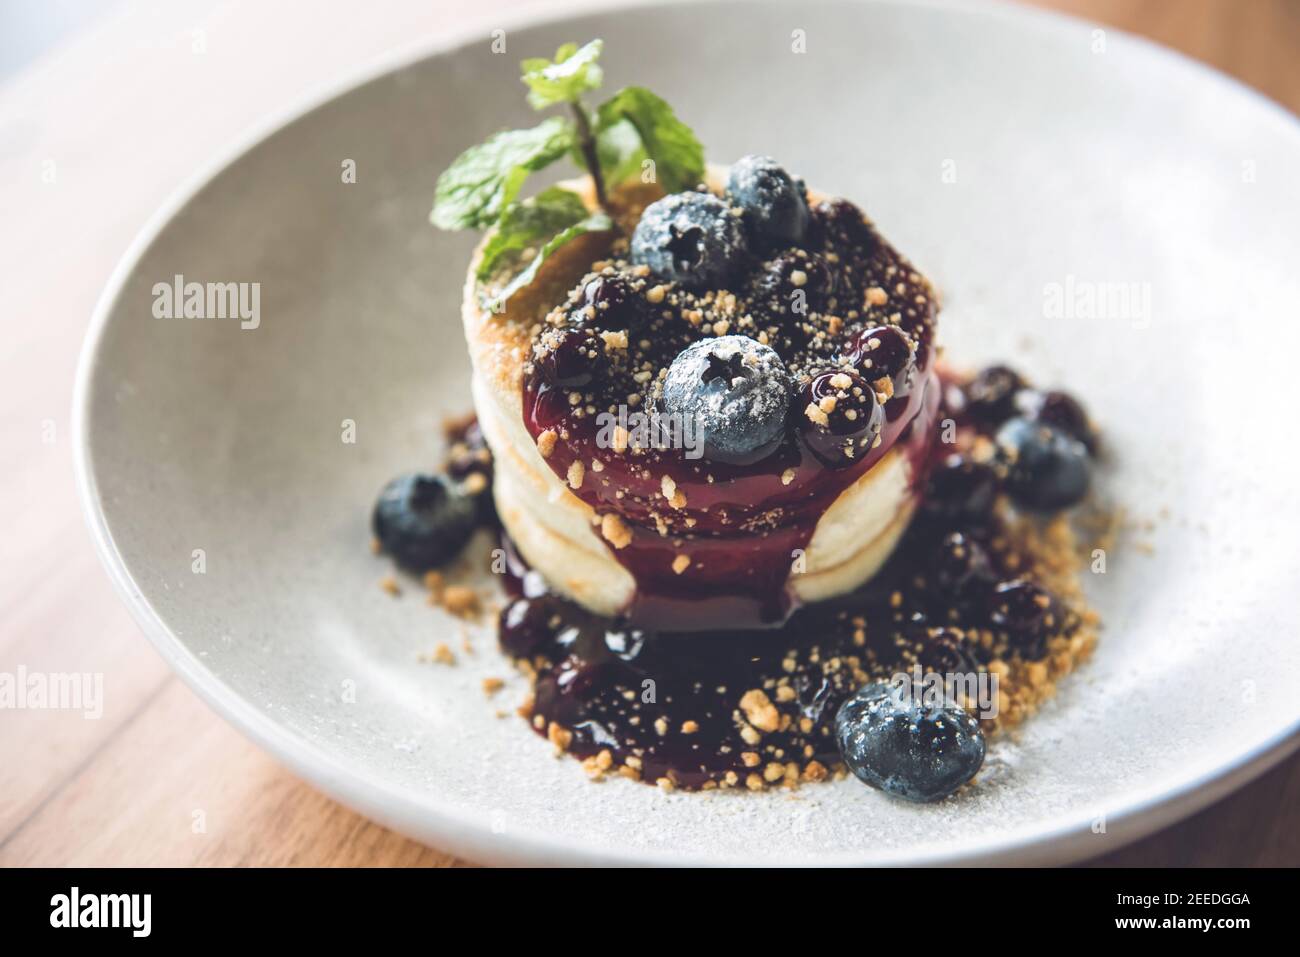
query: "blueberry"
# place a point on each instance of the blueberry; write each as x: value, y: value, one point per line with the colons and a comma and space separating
x: 527, y: 625
x: 1046, y: 468
x: 839, y: 417
x: 613, y: 305
x: 775, y: 205
x: 692, y: 238
x: 1028, y: 613
x: 568, y: 357
x: 945, y: 651
x: 469, y: 453
x: 885, y: 352
x: 423, y: 520
x: 1059, y: 409
x: 839, y: 225
x: 960, y: 564
x: 736, y: 390
x: 794, y: 283
x: 991, y: 395
x: 961, y: 489
x: 470, y: 456
x: 894, y: 740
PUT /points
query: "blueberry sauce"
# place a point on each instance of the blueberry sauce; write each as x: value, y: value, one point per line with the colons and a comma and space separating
x: 756, y: 706
x: 682, y: 706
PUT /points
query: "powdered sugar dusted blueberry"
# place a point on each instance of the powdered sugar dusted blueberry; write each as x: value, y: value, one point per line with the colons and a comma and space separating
x: 776, y: 209
x: 737, y: 389
x: 695, y: 239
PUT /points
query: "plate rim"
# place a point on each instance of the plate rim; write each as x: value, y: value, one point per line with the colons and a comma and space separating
x: 451, y: 827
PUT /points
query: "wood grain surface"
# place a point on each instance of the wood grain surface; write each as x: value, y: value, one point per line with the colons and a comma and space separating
x: 95, y: 132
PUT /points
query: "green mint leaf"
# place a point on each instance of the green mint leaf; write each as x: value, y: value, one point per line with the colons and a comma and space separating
x: 527, y: 223
x: 595, y: 223
x: 485, y: 179
x: 573, y: 72
x: 619, y: 152
x: 677, y: 154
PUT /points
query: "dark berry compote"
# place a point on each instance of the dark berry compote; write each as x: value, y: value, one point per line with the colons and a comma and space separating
x: 803, y: 345
x: 977, y: 585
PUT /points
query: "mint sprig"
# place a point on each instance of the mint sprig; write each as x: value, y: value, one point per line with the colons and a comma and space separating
x: 523, y: 224
x: 596, y: 222
x: 677, y: 154
x: 573, y: 72
x: 480, y: 189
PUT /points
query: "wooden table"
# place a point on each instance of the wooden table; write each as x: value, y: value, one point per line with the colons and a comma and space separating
x: 93, y: 136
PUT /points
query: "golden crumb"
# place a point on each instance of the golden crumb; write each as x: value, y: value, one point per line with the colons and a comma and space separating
x: 668, y: 487
x: 681, y: 563
x: 787, y: 476
x: 433, y: 581
x: 461, y: 601
x: 759, y: 710
x: 492, y: 685
x: 559, y: 736
x: 389, y: 585
x: 546, y: 443
x: 655, y: 294
x: 675, y: 496
x: 615, y: 341
x: 816, y: 415
x: 443, y: 655
x: 877, y: 296
x: 690, y: 727
x: 615, y: 530
x: 815, y: 771
x: 577, y: 472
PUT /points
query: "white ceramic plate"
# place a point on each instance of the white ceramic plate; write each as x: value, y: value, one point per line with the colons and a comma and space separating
x: 1013, y: 155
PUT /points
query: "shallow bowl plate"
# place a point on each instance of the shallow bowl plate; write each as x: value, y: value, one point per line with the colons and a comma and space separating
x: 1112, y: 217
